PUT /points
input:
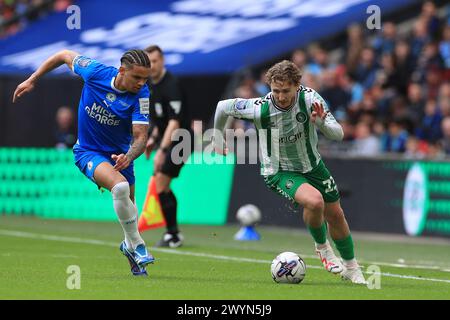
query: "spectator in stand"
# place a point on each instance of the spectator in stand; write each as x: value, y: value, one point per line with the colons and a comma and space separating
x: 387, y: 76
x: 430, y: 59
x: 365, y: 143
x: 65, y: 134
x: 447, y: 14
x: 335, y: 96
x: 404, y: 65
x: 446, y: 135
x: 368, y: 117
x: 430, y: 128
x: 435, y: 151
x: 444, y: 99
x: 354, y: 111
x: 444, y: 91
x: 311, y: 81
x: 299, y: 58
x: 365, y: 71
x: 261, y: 86
x: 319, y: 60
x: 431, y: 19
x: 416, y: 102
x: 355, y: 45
x: 379, y: 129
x: 394, y: 140
x: 416, y: 149
x: 384, y: 91
x: 385, y: 43
x: 61, y: 5
x: 419, y: 38
x: 444, y: 107
x: 433, y: 79
x: 369, y: 103
x: 444, y: 47
x: 355, y: 90
x: 348, y: 128
x: 399, y: 110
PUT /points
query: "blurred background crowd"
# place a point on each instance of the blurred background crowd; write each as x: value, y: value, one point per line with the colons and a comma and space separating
x: 389, y: 88
x: 16, y: 14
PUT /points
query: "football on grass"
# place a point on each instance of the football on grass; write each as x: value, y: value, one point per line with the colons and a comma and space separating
x: 288, y: 267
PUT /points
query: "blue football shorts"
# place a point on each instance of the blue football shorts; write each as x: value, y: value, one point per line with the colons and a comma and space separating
x: 87, y: 161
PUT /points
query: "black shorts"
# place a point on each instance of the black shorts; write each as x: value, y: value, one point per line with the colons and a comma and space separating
x: 175, y: 160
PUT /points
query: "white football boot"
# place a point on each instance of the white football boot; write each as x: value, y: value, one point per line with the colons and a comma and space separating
x: 329, y: 260
x: 354, y: 274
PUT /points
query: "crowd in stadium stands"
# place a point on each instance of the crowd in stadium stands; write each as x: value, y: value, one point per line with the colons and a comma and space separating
x: 390, y: 92
x: 16, y: 14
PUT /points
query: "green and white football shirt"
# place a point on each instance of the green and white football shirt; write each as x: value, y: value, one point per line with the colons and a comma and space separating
x: 288, y: 138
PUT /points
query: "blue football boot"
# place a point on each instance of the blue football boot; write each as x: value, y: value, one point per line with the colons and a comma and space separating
x: 136, y: 270
x: 142, y: 257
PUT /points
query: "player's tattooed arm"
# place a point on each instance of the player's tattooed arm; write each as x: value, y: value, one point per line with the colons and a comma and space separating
x: 140, y: 133
x: 56, y: 60
x: 136, y: 149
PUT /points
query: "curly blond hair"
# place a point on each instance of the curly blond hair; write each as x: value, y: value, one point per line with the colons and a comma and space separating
x: 284, y: 71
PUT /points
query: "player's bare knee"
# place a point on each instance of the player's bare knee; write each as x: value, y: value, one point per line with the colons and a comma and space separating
x: 315, y: 203
x: 121, y: 190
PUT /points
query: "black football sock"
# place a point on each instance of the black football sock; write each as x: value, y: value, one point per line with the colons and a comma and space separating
x: 169, y: 208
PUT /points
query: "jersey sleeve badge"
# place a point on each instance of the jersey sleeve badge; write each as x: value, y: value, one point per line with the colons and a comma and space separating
x: 144, y: 105
x: 83, y: 62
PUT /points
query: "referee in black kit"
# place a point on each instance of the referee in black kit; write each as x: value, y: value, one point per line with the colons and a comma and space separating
x: 167, y: 114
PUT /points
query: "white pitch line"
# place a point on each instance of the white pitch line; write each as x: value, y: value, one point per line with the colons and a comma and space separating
x: 396, y: 265
x: 30, y: 235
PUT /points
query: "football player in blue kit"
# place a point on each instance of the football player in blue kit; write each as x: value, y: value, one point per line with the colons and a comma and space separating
x: 112, y: 132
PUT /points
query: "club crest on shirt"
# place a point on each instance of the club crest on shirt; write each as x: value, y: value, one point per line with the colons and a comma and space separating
x: 84, y: 62
x: 240, y: 104
x: 111, y: 97
x: 289, y: 184
x: 301, y: 117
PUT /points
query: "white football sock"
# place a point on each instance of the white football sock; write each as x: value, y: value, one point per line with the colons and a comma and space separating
x: 127, y: 213
x: 351, y: 264
x: 322, y: 246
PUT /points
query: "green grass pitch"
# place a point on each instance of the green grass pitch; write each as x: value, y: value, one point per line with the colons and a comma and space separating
x: 35, y: 255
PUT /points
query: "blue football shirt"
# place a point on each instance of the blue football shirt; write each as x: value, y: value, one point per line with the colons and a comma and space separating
x: 106, y: 114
